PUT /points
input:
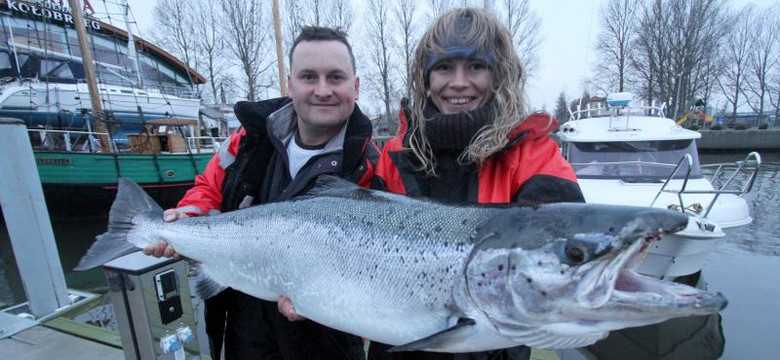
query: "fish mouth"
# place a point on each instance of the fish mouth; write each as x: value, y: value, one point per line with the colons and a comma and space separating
x: 614, y: 284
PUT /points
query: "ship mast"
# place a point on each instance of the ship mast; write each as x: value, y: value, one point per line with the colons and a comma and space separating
x: 279, y: 52
x: 132, y: 52
x: 89, y: 72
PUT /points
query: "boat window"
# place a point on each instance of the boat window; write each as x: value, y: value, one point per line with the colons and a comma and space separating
x: 632, y: 160
x: 112, y: 77
x: 56, y: 69
x: 7, y: 68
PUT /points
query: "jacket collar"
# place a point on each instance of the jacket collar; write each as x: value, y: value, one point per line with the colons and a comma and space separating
x: 259, y: 119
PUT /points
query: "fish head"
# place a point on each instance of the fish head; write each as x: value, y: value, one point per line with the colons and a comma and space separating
x: 563, y: 274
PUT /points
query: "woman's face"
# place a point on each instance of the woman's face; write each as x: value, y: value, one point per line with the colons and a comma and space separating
x: 460, y: 85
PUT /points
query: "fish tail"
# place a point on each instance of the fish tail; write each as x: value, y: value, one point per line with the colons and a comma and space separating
x: 131, y: 201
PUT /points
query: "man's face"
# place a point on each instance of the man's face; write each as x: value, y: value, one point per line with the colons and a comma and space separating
x: 323, y: 88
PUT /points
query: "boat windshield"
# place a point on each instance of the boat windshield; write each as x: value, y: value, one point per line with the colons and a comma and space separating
x: 635, y: 161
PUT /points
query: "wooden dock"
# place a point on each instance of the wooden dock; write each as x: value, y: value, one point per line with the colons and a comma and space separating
x: 40, y: 342
x: 46, y: 342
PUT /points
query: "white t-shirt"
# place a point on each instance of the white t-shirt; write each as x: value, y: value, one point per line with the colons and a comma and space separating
x: 299, y: 156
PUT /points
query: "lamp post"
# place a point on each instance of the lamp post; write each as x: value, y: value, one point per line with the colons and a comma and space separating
x: 677, y: 97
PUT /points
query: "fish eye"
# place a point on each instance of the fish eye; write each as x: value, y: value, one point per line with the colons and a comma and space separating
x: 576, y: 253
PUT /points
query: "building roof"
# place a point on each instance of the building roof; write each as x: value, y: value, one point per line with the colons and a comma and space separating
x: 141, y: 45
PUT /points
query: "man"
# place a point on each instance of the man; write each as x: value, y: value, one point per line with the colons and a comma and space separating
x: 283, y: 146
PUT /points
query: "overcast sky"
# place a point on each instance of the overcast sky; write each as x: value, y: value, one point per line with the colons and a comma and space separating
x: 569, y: 27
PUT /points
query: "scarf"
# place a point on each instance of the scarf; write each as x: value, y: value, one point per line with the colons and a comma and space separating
x: 454, y: 132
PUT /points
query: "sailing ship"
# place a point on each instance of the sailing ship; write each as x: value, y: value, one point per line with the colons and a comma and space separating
x: 140, y: 120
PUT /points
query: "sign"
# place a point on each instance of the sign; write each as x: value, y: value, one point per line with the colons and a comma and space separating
x: 53, y: 161
x: 54, y: 10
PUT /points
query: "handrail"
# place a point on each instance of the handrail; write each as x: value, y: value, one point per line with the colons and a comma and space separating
x: 687, y: 158
x: 752, y: 159
x: 193, y: 142
x: 215, y: 142
x: 66, y: 136
x: 604, y: 110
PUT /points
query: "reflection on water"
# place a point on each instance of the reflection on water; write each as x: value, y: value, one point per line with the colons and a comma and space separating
x: 762, y: 236
x: 749, y: 281
x: 73, y: 239
x: 743, y: 268
x: 699, y: 337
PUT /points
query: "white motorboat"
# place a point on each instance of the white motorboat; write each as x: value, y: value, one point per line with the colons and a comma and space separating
x: 627, y: 154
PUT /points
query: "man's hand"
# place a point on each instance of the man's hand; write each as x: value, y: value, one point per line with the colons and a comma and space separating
x: 287, y: 309
x: 163, y: 249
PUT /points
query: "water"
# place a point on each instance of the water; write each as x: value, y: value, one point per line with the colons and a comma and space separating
x: 744, y: 268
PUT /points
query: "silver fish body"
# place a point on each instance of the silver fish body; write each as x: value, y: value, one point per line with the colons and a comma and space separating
x: 423, y: 275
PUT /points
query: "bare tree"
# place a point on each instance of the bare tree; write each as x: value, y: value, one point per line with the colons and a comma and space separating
x: 675, y: 41
x: 381, y: 43
x: 649, y: 50
x: 524, y: 24
x: 439, y: 7
x: 405, y: 18
x: 248, y: 40
x: 738, y: 47
x: 614, y: 43
x: 487, y: 4
x: 775, y: 89
x: 330, y: 13
x: 340, y: 15
x: 210, y: 46
x: 175, y: 27
x: 561, y: 109
x: 763, y: 59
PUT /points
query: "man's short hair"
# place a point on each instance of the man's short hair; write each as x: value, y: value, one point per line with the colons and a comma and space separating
x: 319, y: 33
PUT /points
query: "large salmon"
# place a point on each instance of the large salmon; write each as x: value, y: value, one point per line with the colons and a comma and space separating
x: 424, y: 275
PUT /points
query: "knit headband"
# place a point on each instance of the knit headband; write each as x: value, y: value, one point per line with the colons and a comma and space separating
x: 455, y: 48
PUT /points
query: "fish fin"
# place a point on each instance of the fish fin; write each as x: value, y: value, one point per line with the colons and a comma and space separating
x: 432, y: 342
x: 205, y: 286
x: 333, y: 186
x: 130, y: 201
x: 542, y: 338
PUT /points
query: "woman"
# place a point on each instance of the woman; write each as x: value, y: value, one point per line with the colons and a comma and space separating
x: 466, y: 136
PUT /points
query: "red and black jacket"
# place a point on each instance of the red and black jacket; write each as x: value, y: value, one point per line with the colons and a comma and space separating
x: 529, y: 170
x: 251, y: 167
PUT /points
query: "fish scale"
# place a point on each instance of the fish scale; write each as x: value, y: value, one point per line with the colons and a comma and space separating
x: 417, y: 274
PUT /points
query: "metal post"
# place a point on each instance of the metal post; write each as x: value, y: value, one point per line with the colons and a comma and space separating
x: 27, y: 220
x: 89, y: 73
x: 677, y: 98
x: 279, y: 52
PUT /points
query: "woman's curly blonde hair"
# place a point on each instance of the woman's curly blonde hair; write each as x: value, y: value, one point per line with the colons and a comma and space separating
x: 487, y: 34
